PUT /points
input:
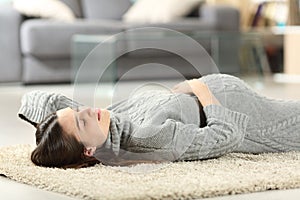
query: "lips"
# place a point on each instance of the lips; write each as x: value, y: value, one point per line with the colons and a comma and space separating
x: 98, y: 111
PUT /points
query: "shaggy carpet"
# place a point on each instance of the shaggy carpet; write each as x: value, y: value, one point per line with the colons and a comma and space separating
x: 234, y: 173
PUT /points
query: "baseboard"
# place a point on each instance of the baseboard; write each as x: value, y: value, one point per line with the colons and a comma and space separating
x: 286, y: 78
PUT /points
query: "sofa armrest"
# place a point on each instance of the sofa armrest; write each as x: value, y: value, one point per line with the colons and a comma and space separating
x: 225, y: 18
x: 10, y: 21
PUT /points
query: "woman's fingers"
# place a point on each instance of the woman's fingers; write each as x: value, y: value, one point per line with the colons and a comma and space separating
x: 182, y: 87
x: 175, y: 87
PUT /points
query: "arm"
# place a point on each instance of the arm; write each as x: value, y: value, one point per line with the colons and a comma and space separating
x: 37, y: 105
x: 198, y: 88
x: 202, y: 92
x: 174, y: 140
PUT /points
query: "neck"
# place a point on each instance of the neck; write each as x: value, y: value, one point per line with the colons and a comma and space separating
x: 105, y: 121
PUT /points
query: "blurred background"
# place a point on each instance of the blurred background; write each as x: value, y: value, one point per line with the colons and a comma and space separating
x: 46, y: 41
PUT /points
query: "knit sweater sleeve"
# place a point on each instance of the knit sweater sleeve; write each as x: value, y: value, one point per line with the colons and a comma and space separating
x: 37, y: 105
x: 174, y: 140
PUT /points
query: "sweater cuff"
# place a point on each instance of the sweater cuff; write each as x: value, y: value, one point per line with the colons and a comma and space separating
x: 36, y: 105
x: 222, y: 113
x: 31, y: 115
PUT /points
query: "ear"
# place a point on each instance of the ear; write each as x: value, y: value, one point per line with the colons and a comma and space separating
x: 89, y: 151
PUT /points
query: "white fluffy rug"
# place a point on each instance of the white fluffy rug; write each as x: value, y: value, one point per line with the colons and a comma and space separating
x: 231, y: 174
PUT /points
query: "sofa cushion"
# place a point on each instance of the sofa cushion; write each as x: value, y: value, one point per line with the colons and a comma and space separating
x: 183, y: 24
x: 197, y: 29
x: 105, y: 9
x: 75, y: 6
x: 46, y: 39
x: 52, y: 9
x: 159, y: 11
x: 36, y: 70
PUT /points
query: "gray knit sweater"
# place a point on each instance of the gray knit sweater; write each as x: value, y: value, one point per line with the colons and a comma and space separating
x: 160, y: 125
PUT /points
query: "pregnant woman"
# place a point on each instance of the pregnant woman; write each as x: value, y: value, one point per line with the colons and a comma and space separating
x: 199, y: 119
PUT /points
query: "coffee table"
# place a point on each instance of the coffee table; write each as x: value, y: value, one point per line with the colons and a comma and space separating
x: 94, y: 57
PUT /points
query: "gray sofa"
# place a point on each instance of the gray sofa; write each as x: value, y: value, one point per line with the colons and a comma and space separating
x: 39, y: 50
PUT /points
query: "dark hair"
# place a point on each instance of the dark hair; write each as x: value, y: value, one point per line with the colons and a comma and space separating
x: 56, y: 148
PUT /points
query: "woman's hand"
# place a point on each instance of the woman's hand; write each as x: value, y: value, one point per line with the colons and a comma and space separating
x: 197, y: 87
x: 183, y: 87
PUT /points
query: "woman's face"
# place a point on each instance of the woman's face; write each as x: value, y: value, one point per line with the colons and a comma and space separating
x: 84, y: 125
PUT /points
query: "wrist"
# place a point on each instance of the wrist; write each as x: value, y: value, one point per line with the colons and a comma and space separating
x: 201, y: 90
x: 196, y: 85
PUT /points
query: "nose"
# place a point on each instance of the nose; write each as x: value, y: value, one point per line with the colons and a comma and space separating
x: 81, y: 108
x: 86, y: 110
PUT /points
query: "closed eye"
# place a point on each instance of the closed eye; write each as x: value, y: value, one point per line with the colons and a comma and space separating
x: 77, y: 122
x: 83, y: 122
